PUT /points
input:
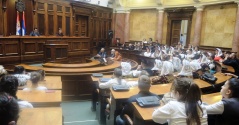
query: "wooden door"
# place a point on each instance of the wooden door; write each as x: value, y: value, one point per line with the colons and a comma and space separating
x: 81, y: 26
x: 175, y: 32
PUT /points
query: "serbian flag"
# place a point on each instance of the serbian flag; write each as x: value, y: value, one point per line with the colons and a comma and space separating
x: 23, y: 24
x: 18, y: 26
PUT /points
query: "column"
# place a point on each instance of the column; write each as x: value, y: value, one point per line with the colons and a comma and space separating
x: 126, y: 27
x: 159, y: 32
x: 235, y: 44
x: 198, y: 26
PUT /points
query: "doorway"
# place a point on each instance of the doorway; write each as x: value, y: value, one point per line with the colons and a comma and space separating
x: 179, y: 26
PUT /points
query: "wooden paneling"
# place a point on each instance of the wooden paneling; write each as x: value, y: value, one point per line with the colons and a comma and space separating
x: 11, y: 48
x: 59, y: 21
x: 68, y: 26
x: 11, y: 17
x: 28, y: 16
x: 41, y: 23
x: 31, y: 49
x: 50, y: 25
x: 89, y: 22
x: 1, y: 19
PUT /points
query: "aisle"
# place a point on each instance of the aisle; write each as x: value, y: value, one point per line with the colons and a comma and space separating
x: 78, y: 113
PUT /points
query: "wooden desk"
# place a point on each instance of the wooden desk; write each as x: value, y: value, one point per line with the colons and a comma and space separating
x: 143, y: 116
x: 41, y: 98
x: 50, y: 82
x: 41, y: 116
x: 82, y: 65
x: 74, y: 71
x: 212, y: 98
x: 119, y: 97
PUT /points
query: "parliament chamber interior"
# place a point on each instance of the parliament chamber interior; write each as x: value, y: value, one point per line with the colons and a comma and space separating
x: 119, y: 62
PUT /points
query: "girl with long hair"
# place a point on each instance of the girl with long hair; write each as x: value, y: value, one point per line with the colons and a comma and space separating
x: 187, y: 109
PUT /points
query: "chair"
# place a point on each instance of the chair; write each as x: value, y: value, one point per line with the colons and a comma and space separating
x: 128, y: 120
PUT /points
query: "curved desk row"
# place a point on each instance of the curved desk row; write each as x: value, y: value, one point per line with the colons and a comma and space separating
x: 82, y: 65
x: 74, y: 71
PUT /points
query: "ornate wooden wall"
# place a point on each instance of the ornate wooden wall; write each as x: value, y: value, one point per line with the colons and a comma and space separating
x: 80, y: 22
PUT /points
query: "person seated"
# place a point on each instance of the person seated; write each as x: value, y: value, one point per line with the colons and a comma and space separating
x: 117, y: 80
x: 218, y: 54
x: 148, y: 52
x: 186, y: 70
x: 9, y: 110
x: 145, y: 65
x: 226, y: 109
x: 102, y: 53
x: 167, y: 67
x: 187, y: 109
x: 9, y: 84
x: 35, y: 32
x: 157, y: 65
x: 42, y: 73
x: 144, y: 84
x: 177, y: 63
x: 112, y: 53
x: 231, y: 60
x: 35, y: 78
x: 126, y: 68
x: 131, y: 47
x: 189, y: 55
x: 144, y: 41
x: 59, y: 32
x: 19, y: 72
x: 118, y: 56
x: 2, y: 71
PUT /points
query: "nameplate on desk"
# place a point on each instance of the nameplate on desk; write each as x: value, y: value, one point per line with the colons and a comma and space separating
x: 120, y: 88
x: 105, y: 79
x: 97, y: 74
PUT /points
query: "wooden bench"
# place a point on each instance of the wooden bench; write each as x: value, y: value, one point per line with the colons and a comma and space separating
x: 41, y: 116
x: 50, y: 82
x: 49, y: 98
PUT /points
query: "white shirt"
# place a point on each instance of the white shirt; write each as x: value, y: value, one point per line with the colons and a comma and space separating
x: 24, y: 104
x: 216, y: 108
x: 111, y: 82
x: 147, y: 54
x: 167, y: 68
x: 37, y: 88
x: 175, y: 114
x: 22, y: 79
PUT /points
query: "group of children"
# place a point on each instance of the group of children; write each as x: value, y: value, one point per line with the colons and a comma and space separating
x: 10, y: 104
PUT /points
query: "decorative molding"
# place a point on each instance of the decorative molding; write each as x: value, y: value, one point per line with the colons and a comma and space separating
x: 122, y: 10
x: 159, y: 2
x: 160, y: 10
x: 196, y: 1
x: 199, y: 8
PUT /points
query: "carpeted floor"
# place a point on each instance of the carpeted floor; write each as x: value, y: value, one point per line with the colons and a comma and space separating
x: 78, y: 113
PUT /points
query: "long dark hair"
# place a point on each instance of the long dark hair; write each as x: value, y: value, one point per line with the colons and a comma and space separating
x: 190, y: 94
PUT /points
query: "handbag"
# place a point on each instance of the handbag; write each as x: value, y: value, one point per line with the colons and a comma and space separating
x: 209, y: 78
x: 148, y: 101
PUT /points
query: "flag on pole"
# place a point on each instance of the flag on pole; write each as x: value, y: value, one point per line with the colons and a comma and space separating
x: 23, y: 24
x: 18, y: 26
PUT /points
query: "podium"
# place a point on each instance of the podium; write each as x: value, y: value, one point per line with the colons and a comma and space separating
x: 56, y: 51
